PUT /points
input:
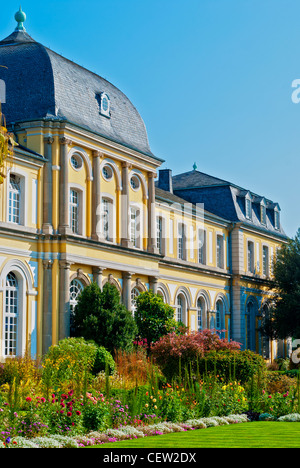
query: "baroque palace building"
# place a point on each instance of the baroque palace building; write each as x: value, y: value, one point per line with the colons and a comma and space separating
x: 85, y: 200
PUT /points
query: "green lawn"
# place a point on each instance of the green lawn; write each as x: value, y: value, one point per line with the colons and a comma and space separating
x: 246, y: 435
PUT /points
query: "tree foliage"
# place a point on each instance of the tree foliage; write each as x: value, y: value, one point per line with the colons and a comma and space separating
x: 284, y: 313
x: 100, y: 316
x: 7, y: 144
x: 174, y: 351
x: 153, y: 317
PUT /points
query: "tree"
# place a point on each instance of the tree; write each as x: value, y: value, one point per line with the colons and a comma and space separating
x: 100, y: 316
x: 283, y: 319
x: 6, y: 145
x: 153, y: 317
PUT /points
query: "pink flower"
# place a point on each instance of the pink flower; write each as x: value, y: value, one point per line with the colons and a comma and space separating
x: 28, y: 399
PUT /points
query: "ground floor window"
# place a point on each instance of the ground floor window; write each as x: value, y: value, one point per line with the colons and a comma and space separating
x: 134, y: 295
x: 76, y: 288
x: 11, y: 315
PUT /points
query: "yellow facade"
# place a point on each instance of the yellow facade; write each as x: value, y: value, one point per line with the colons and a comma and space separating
x: 78, y: 207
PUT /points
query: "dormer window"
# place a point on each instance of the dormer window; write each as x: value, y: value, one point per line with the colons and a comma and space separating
x: 248, y: 206
x: 263, y: 213
x: 276, y: 218
x: 104, y: 104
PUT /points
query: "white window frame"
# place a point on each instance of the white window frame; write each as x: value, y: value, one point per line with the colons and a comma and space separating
x: 248, y: 206
x: 111, y: 234
x: 136, y: 225
x: 21, y: 311
x: 276, y: 218
x: 250, y: 261
x: 200, y: 313
x: 81, y: 208
x: 135, y: 292
x: 220, y: 251
x: 263, y: 213
x: 265, y: 260
x: 202, y: 246
x: 181, y: 241
x: 24, y: 193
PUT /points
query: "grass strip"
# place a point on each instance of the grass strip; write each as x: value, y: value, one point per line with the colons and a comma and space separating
x: 265, y: 434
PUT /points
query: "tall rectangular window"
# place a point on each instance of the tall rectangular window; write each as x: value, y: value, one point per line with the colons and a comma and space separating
x: 159, y: 234
x: 14, y: 200
x: 181, y: 242
x: 74, y: 211
x: 248, y: 209
x: 265, y: 259
x: 11, y: 315
x: 106, y: 219
x: 220, y: 251
x: 263, y: 214
x: 250, y: 255
x: 134, y: 227
x: 277, y: 219
x: 202, y: 247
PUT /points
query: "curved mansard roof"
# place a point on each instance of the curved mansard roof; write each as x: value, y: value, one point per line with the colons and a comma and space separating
x: 41, y: 84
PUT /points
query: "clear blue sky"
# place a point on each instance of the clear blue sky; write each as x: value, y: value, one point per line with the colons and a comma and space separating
x: 211, y: 78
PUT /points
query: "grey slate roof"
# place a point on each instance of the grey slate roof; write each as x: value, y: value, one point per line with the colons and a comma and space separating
x: 224, y: 199
x: 41, y: 84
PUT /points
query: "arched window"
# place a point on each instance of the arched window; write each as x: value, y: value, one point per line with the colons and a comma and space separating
x: 14, y: 199
x: 11, y: 315
x: 181, y: 305
x: 251, y: 309
x: 134, y: 295
x: 200, y: 313
x: 220, y: 318
x: 161, y: 294
x: 265, y: 339
x: 76, y: 288
x: 179, y: 315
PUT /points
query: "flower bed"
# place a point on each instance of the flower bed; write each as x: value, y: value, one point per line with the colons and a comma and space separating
x: 123, y: 433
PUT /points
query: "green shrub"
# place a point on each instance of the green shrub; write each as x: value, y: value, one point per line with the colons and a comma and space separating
x: 279, y: 383
x: 103, y: 361
x: 95, y: 417
x: 70, y: 361
x: 233, y: 365
x: 101, y: 317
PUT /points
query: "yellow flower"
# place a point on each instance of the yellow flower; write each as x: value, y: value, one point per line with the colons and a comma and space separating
x: 154, y: 400
x: 155, y: 407
x: 146, y: 405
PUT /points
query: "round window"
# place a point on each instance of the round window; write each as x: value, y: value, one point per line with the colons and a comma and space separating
x: 135, y: 182
x: 107, y: 172
x: 76, y: 162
